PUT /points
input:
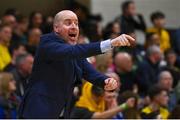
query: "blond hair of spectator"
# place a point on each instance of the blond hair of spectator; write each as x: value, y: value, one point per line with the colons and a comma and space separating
x: 5, y: 79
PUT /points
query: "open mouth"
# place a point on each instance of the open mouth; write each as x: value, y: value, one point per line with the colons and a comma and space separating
x: 72, y: 35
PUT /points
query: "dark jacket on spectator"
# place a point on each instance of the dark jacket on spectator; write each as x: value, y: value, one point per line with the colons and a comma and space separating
x: 129, y: 24
x: 147, y: 74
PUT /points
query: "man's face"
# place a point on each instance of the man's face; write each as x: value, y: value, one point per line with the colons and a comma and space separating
x: 6, y: 34
x: 37, y: 19
x: 68, y: 28
x: 171, y: 58
x: 9, y: 20
x: 27, y: 65
x: 167, y: 82
x: 34, y: 36
x: 160, y: 22
x: 162, y: 99
x: 131, y: 9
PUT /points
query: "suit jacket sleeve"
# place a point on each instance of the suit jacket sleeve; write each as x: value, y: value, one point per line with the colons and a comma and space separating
x: 56, y: 50
x: 91, y: 75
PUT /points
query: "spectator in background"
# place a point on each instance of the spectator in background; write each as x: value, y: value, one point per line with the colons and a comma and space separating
x: 166, y: 82
x: 130, y: 20
x: 94, y: 29
x: 148, y: 69
x: 92, y: 104
x: 112, y: 30
x: 36, y: 20
x: 15, y: 51
x: 9, y: 102
x: 5, y: 37
x: 22, y: 71
x: 48, y: 25
x: 131, y: 113
x: 9, y: 20
x: 33, y: 40
x: 152, y: 39
x: 158, y: 21
x: 104, y: 62
x: 19, y: 34
x: 157, y: 107
x: 124, y: 68
x: 173, y: 65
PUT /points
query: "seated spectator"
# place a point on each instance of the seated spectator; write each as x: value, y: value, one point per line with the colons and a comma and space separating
x: 158, y: 21
x: 15, y: 51
x: 148, y: 69
x: 33, y: 40
x: 48, y: 25
x: 92, y: 104
x: 9, y: 102
x: 104, y: 62
x: 152, y: 39
x: 10, y: 20
x: 19, y: 34
x: 173, y: 65
x: 127, y: 21
x: 5, y: 37
x: 112, y: 30
x: 22, y: 71
x: 166, y: 82
x: 131, y: 113
x: 124, y: 68
x: 157, y: 107
x: 36, y: 20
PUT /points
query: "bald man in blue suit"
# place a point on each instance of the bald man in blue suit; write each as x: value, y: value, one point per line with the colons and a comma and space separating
x: 59, y: 63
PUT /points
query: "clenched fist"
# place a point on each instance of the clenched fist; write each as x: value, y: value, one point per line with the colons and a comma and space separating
x: 122, y: 40
x: 110, y: 84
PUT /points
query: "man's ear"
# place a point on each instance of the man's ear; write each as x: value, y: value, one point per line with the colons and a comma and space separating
x: 55, y: 28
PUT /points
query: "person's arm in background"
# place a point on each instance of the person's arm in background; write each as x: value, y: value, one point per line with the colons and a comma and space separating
x: 112, y: 112
x: 140, y: 24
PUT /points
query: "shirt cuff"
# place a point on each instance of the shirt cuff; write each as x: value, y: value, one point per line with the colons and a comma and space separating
x: 105, y: 46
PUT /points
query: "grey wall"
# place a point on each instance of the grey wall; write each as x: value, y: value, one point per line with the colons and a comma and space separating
x: 111, y: 8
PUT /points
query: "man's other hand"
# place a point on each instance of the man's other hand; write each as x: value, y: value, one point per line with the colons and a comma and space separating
x: 110, y: 84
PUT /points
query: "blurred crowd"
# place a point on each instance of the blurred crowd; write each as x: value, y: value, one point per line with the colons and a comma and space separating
x: 148, y: 74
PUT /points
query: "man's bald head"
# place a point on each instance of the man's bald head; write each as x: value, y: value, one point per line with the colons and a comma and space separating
x: 65, y: 25
x: 123, y: 61
x: 60, y: 15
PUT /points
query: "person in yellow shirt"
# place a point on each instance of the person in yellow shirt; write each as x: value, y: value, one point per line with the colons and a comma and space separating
x: 95, y: 103
x: 157, y: 109
x: 5, y: 37
x: 158, y: 21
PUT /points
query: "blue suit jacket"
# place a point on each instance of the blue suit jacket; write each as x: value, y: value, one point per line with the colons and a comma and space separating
x: 57, y: 66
